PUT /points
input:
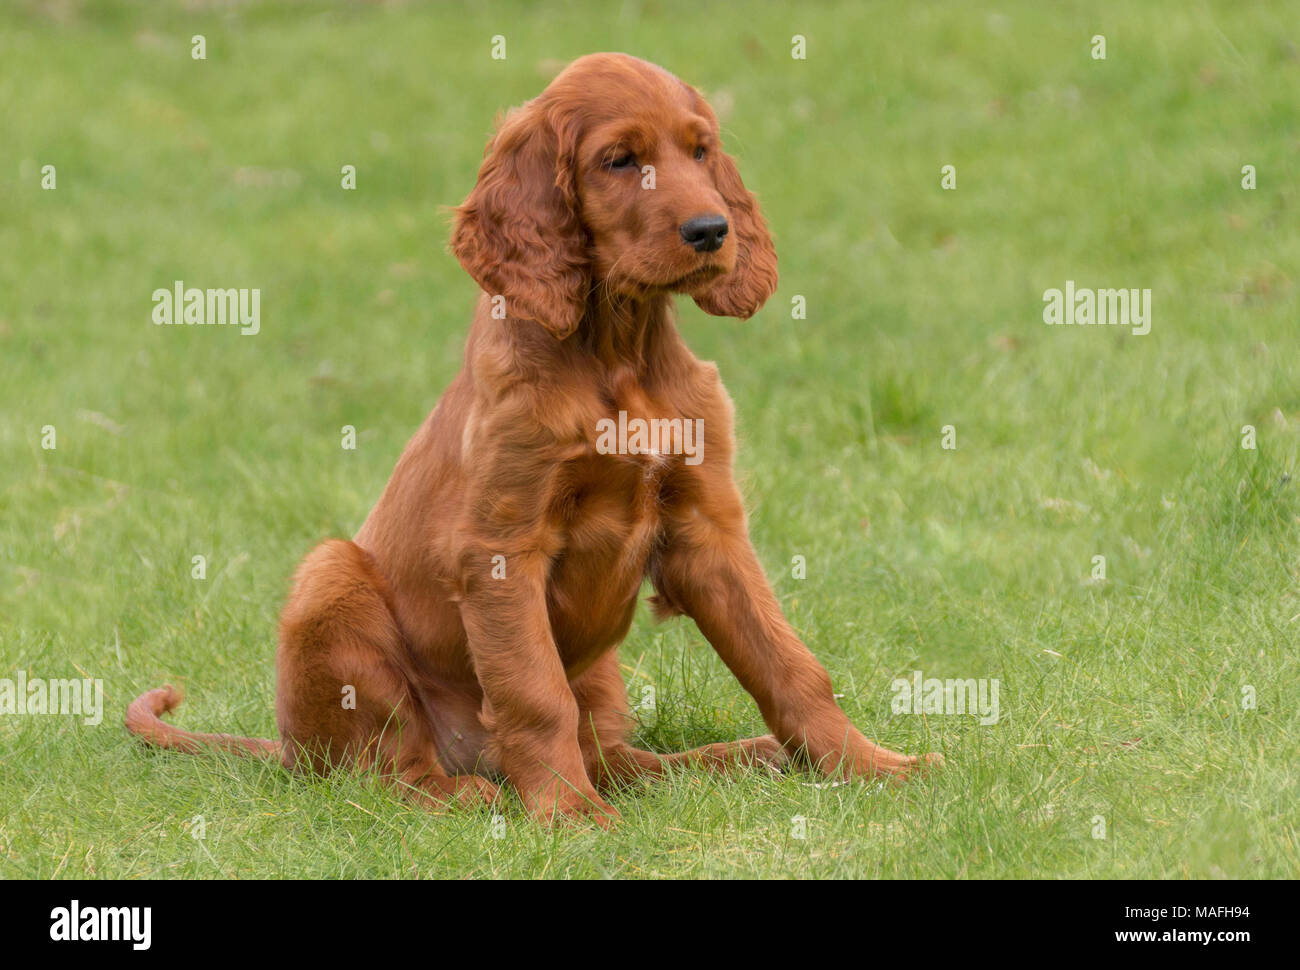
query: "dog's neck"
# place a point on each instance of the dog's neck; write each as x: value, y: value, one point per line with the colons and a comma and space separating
x: 620, y: 330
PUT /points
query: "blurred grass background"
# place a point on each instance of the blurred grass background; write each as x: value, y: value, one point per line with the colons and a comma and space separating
x: 1120, y: 699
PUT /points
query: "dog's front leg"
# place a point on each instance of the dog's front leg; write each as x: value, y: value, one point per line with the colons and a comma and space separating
x: 708, y: 570
x: 528, y: 708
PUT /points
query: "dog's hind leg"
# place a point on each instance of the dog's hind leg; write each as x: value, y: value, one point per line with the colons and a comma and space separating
x: 344, y: 694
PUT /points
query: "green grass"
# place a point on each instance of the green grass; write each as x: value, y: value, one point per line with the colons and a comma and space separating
x: 1120, y: 698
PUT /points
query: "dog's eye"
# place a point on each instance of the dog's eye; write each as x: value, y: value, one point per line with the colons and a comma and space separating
x: 624, y: 161
x: 699, y: 154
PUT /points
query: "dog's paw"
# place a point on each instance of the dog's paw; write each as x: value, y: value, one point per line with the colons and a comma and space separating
x: 473, y: 791
x: 573, y: 808
x: 900, y: 768
x: 767, y: 752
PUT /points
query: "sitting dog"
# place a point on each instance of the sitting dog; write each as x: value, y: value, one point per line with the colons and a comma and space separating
x: 468, y: 632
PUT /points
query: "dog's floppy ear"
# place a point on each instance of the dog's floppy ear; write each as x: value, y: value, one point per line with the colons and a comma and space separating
x: 746, y: 288
x: 518, y: 234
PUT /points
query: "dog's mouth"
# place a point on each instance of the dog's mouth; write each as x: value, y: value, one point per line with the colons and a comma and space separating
x: 695, y: 278
x: 691, y: 282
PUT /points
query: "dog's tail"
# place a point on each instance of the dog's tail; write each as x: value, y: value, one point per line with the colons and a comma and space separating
x: 143, y: 721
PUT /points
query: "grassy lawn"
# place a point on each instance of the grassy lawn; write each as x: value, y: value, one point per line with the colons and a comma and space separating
x: 1126, y: 743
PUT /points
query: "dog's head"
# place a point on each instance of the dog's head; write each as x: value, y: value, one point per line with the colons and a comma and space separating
x: 614, y: 177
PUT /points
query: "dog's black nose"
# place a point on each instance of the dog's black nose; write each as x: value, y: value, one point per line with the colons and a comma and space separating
x: 705, y: 233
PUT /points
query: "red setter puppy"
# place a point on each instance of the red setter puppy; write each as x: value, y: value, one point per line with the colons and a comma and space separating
x: 469, y: 630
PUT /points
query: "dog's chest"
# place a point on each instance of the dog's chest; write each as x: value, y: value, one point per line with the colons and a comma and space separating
x: 633, y: 426
x: 639, y: 455
x: 609, y: 503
